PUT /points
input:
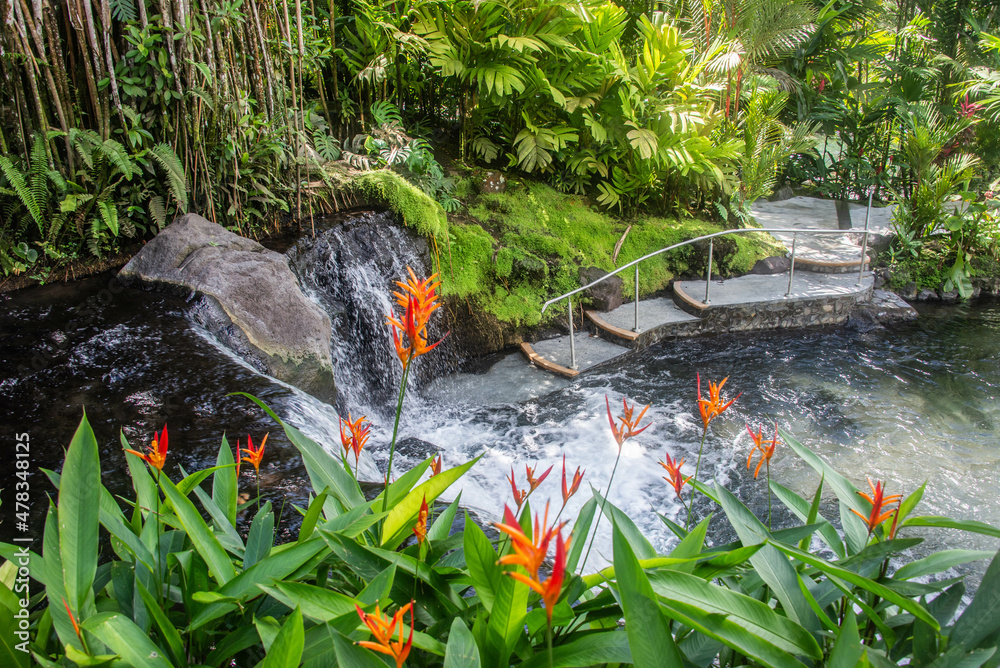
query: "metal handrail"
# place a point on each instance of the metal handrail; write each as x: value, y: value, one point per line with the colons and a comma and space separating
x: 708, y: 278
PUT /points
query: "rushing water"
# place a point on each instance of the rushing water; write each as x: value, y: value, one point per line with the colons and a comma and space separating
x: 907, y: 404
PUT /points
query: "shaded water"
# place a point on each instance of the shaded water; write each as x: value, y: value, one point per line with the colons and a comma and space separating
x: 907, y: 404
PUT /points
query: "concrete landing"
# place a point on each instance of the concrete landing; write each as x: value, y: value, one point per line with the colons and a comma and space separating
x: 654, y: 314
x: 554, y: 354
x: 822, y: 252
x: 758, y: 289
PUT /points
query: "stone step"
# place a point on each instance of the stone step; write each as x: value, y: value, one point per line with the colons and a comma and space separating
x: 554, y: 354
x: 658, y: 317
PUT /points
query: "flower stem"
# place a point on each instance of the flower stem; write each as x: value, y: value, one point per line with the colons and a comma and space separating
x: 603, y: 501
x: 548, y: 635
x: 769, y: 495
x: 258, y: 491
x: 395, y: 430
x: 697, y: 468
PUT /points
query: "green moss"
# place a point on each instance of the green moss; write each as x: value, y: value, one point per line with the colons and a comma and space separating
x: 417, y: 209
x: 538, y: 239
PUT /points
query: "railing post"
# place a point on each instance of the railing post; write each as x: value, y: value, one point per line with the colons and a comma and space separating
x: 791, y: 267
x: 708, y: 276
x: 572, y: 344
x: 635, y: 328
x: 864, y: 242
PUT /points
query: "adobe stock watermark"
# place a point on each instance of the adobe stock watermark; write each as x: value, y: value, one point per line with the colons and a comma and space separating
x: 22, y: 539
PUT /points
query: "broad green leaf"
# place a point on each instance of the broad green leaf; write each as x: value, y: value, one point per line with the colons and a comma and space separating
x: 847, y: 648
x: 9, y: 654
x: 772, y: 567
x: 311, y: 517
x: 650, y: 641
x: 79, y: 515
x: 750, y: 614
x: 939, y: 561
x: 201, y: 536
x: 691, y: 545
x: 842, y: 487
x: 224, y: 482
x: 481, y: 560
x: 805, y: 511
x: 441, y: 528
x: 175, y: 645
x: 261, y: 537
x: 403, y: 515
x: 607, y: 648
x: 982, y: 617
x: 835, y: 571
x: 947, y: 523
x: 461, y: 651
x: 125, y: 639
x: 350, y: 655
x: 286, y: 650
x: 510, y: 602
x: 318, y: 603
x: 581, y: 529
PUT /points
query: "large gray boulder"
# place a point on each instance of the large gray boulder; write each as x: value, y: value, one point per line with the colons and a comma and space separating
x: 250, y: 299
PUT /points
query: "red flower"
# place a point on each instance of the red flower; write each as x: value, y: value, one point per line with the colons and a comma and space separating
x: 766, y: 448
x: 383, y: 628
x: 519, y: 495
x: 419, y: 301
x: 569, y: 490
x: 255, y: 455
x: 531, y: 553
x: 716, y: 404
x: 627, y: 429
x: 533, y: 483
x: 436, y: 466
x: 878, y: 501
x: 356, y: 436
x: 156, y: 455
x: 420, y: 529
x: 676, y: 479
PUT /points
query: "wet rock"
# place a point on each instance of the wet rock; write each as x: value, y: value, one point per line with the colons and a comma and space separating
x: 927, y: 295
x: 248, y: 298
x: 909, y: 292
x: 492, y: 182
x: 605, y: 296
x: 783, y: 193
x: 949, y: 297
x: 884, y: 308
x: 775, y: 264
x: 863, y: 320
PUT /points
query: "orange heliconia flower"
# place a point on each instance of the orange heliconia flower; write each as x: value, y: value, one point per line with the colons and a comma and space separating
x: 383, y: 628
x: 356, y: 436
x: 569, y: 490
x: 72, y: 618
x: 156, y: 455
x: 255, y: 455
x: 676, y: 479
x: 530, y: 554
x: 766, y: 448
x: 419, y: 301
x: 534, y: 482
x: 519, y: 495
x: 527, y: 552
x: 715, y: 405
x: 420, y: 529
x: 878, y: 501
x: 627, y: 429
x: 436, y: 465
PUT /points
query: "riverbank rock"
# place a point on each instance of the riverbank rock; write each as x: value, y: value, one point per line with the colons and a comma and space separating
x: 605, y: 296
x: 884, y: 308
x: 249, y: 299
x: 776, y: 264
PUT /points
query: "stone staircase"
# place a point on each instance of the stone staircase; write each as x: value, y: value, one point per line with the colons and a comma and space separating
x: 824, y: 289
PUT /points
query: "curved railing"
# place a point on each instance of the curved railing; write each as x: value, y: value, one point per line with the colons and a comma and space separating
x: 708, y: 276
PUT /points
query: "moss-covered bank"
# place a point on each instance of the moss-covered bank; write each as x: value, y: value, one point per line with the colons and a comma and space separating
x: 509, y: 252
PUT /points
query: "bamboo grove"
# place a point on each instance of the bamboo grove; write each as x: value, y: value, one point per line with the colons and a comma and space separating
x: 117, y: 114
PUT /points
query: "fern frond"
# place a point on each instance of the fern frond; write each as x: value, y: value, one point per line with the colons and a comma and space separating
x: 109, y: 214
x: 158, y: 211
x: 175, y: 174
x: 24, y: 193
x: 118, y: 157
